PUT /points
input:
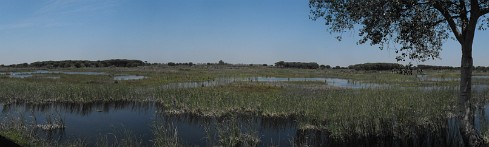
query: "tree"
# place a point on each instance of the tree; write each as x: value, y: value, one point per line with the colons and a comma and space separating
x: 328, y: 66
x: 419, y: 27
x: 221, y: 62
x: 322, y: 66
x: 280, y: 64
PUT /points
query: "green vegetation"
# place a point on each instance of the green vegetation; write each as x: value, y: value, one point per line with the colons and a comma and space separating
x: 310, y: 65
x: 400, y: 109
x: 82, y: 63
x: 417, y: 30
x: 376, y: 66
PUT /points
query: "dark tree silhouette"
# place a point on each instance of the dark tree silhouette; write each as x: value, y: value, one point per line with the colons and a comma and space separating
x: 304, y: 65
x: 221, y: 62
x: 376, y: 66
x: 86, y: 63
x: 419, y: 26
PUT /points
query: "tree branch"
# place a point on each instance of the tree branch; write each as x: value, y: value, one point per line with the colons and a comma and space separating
x: 463, y: 13
x: 484, y: 11
x: 442, y: 20
x: 449, y: 19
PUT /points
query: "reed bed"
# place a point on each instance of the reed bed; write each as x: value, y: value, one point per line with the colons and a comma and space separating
x: 401, y: 109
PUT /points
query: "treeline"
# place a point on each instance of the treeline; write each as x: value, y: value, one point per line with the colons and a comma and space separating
x: 390, y: 66
x: 192, y: 64
x: 376, y: 66
x: 83, y: 63
x: 433, y: 67
x: 303, y: 65
x: 178, y: 64
x: 482, y: 68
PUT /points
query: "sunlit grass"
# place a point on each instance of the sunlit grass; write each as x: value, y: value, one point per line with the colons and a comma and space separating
x: 400, y: 109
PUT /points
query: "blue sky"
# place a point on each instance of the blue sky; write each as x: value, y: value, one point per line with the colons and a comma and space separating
x: 199, y: 31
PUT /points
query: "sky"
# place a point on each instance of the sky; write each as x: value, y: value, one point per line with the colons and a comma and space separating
x: 198, y: 31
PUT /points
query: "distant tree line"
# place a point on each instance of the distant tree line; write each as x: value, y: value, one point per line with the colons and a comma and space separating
x: 303, y: 65
x: 482, y: 68
x: 218, y: 63
x: 376, y: 66
x: 325, y: 66
x: 82, y: 63
x: 433, y: 67
x: 179, y: 64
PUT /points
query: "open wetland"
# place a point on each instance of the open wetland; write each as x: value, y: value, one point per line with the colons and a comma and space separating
x: 238, y: 106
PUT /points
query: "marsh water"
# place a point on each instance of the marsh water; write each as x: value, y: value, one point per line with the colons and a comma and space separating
x: 128, y: 77
x: 334, y: 82
x: 92, y: 121
x: 45, y: 72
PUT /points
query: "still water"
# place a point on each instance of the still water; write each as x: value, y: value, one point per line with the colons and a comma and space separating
x: 128, y: 77
x: 90, y: 121
x: 334, y: 82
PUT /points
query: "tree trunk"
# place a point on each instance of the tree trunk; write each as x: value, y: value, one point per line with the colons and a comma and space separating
x: 466, y: 107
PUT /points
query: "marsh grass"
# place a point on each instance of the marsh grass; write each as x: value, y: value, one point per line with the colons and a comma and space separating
x: 25, y: 130
x: 120, y: 137
x: 401, y: 109
x: 235, y: 132
x: 21, y: 130
x: 166, y: 134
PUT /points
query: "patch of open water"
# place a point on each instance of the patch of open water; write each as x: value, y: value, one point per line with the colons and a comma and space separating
x: 335, y: 82
x: 29, y: 74
x: 90, y: 120
x: 128, y: 77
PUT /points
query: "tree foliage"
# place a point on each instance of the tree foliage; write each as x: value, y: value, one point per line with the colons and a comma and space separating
x: 180, y: 64
x: 433, y: 67
x: 418, y: 26
x: 376, y: 66
x: 83, y: 63
x: 303, y: 65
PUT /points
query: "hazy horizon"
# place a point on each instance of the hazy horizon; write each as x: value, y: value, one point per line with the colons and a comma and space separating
x: 238, y: 32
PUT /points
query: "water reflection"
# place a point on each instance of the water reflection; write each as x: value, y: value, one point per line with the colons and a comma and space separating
x: 128, y: 77
x: 30, y: 74
x: 210, y: 83
x: 87, y: 120
x: 81, y: 73
x: 335, y: 82
x: 20, y: 76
